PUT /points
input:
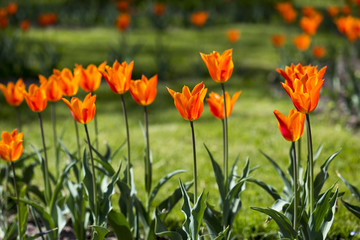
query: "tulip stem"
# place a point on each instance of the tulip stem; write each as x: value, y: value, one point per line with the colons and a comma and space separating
x: 18, y: 118
x: 194, y: 160
x: 148, y: 176
x: 298, y: 148
x: 225, y: 140
x: 77, y: 139
x: 93, y: 175
x: 5, y: 196
x: 127, y: 139
x: 296, y: 192
x: 17, y: 199
x: 311, y: 165
x: 53, y: 119
x: 46, y: 169
x: 96, y: 130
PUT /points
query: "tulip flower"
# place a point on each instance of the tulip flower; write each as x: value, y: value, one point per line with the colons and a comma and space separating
x: 52, y: 88
x: 291, y: 127
x: 144, y: 91
x: 233, y: 35
x: 286, y: 10
x: 190, y: 104
x: 12, y: 8
x: 220, y: 66
x: 89, y: 78
x: 69, y: 84
x: 36, y: 97
x: 319, y: 52
x: 310, y: 24
x: 82, y: 112
x: 13, y: 93
x: 278, y: 40
x: 11, y: 145
x: 302, y: 42
x: 199, y: 18
x: 123, y: 21
x: 333, y: 11
x: 216, y: 104
x: 349, y: 26
x: 25, y: 25
x: 159, y: 9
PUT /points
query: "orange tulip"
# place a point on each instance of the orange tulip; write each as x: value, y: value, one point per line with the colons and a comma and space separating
x: 291, y: 127
x: 13, y: 92
x: 82, y: 112
x: 199, y: 18
x: 333, y: 11
x: 159, y: 9
x: 278, y: 40
x: 11, y: 145
x: 310, y: 24
x: 122, y: 6
x: 4, y: 22
x: 118, y: 76
x: 303, y: 84
x: 309, y: 11
x: 302, y: 42
x: 350, y: 26
x: 25, y: 25
x: 319, y: 52
x: 47, y: 19
x: 123, y: 21
x: 220, y: 67
x: 89, y: 78
x: 190, y: 104
x: 346, y: 10
x: 216, y: 104
x: 286, y: 10
x: 68, y: 83
x: 144, y: 91
x: 53, y: 88
x: 12, y: 8
x: 233, y: 35
x: 36, y: 97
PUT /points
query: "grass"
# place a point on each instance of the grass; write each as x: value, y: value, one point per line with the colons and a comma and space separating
x: 252, y: 126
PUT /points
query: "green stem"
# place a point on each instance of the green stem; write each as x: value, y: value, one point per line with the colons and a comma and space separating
x: 96, y: 131
x: 148, y: 176
x: 93, y: 175
x: 225, y: 140
x: 194, y: 160
x: 5, y: 195
x: 298, y: 156
x: 46, y: 168
x: 18, y: 118
x: 77, y: 139
x: 296, y: 190
x: 53, y: 119
x: 127, y: 138
x: 17, y: 200
x: 311, y: 165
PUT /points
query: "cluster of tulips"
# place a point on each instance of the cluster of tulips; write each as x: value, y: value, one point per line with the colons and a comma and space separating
x: 302, y: 213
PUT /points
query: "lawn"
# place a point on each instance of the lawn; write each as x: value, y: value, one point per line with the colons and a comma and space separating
x: 252, y: 125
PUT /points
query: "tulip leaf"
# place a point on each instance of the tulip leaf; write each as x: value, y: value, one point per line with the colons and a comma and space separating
x: 213, y: 222
x: 318, y: 152
x: 223, y: 234
x: 323, y: 175
x: 162, y: 231
x: 23, y: 212
x: 354, y: 191
x: 282, y: 221
x: 218, y: 175
x: 233, y: 174
x: 269, y: 189
x: 119, y: 225
x: 352, y: 208
x: 88, y: 183
x: 99, y: 232
x: 329, y: 219
x: 40, y: 234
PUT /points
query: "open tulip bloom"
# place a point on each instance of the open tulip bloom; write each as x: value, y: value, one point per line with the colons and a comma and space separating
x: 216, y: 104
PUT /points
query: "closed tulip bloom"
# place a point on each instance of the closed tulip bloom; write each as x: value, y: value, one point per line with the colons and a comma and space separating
x: 11, y: 145
x: 144, y: 91
x: 190, y: 104
x: 291, y: 127
x: 233, y: 35
x: 69, y: 84
x: 310, y: 24
x: 89, y: 78
x: 118, y: 76
x: 319, y: 52
x: 53, y: 88
x: 287, y: 11
x: 278, y: 40
x: 220, y: 66
x: 36, y: 97
x: 216, y: 104
x: 199, y: 18
x: 123, y: 21
x: 13, y: 92
x: 82, y: 112
x: 302, y: 42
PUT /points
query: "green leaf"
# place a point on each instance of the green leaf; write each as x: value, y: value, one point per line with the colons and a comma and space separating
x: 23, y: 213
x: 282, y: 221
x: 223, y: 234
x: 329, y: 219
x: 218, y: 175
x: 269, y: 189
x: 323, y: 175
x: 162, y: 231
x: 354, y: 191
x: 88, y: 183
x: 352, y: 208
x: 318, y: 152
x: 99, y: 233
x: 197, y: 214
x: 119, y: 225
x: 213, y: 221
x: 38, y: 235
x: 42, y: 162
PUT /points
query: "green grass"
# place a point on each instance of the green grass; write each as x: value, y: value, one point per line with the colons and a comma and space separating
x: 252, y: 125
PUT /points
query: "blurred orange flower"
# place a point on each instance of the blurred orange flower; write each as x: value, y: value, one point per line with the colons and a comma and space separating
x: 82, y: 112
x: 346, y: 10
x: 143, y: 91
x: 122, y: 6
x: 199, y: 18
x: 122, y: 21
x: 159, y: 8
x: 286, y: 10
x: 190, y: 104
x: 233, y: 35
x: 303, y: 84
x: 220, y: 66
x: 309, y: 11
x: 47, y: 19
x: 12, y: 8
x: 3, y: 12
x: 13, y: 92
x: 118, y: 76
x: 278, y: 40
x: 11, y: 145
x: 333, y: 11
x: 36, y: 97
x: 319, y: 51
x: 89, y: 78
x: 24, y: 25
x: 68, y: 83
x: 302, y: 42
x: 291, y: 127
x: 216, y: 104
x: 4, y: 21
x: 350, y: 26
x: 310, y: 24
x: 52, y: 87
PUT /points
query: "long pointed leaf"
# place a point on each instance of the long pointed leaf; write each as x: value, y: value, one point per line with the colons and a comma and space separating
x: 354, y: 191
x: 352, y: 208
x: 269, y: 189
x: 119, y: 225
